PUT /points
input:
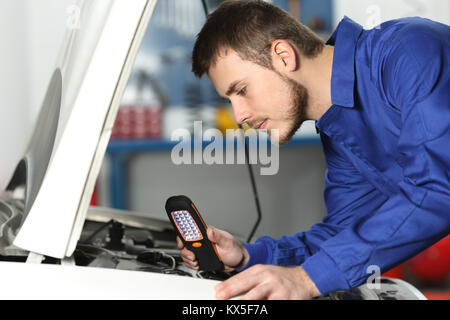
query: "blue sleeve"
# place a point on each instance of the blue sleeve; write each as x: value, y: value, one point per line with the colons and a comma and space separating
x: 415, y: 75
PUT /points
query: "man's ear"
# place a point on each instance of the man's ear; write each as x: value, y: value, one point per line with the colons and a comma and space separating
x: 284, y: 56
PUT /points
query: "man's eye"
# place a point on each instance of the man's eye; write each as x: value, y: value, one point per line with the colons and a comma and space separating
x: 242, y: 91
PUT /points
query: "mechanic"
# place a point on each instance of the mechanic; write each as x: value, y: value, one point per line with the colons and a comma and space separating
x: 380, y: 99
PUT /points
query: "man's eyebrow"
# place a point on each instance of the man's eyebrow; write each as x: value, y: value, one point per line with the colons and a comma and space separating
x: 232, y: 87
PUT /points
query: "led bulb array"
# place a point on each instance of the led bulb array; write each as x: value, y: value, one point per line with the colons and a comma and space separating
x: 187, y: 226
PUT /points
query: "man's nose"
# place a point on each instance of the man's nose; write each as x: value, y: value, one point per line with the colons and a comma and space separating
x: 241, y: 113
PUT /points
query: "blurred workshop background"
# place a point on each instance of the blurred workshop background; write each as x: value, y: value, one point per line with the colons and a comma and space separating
x: 163, y: 95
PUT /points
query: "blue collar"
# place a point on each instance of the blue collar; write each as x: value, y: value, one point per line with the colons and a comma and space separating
x: 344, y: 40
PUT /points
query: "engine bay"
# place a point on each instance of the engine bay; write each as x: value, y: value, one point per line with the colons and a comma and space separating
x: 110, y: 244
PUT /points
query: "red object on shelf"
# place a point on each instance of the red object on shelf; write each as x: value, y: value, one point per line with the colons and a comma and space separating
x: 396, y: 272
x: 137, y: 122
x: 437, y: 295
x: 94, y: 199
x: 433, y: 264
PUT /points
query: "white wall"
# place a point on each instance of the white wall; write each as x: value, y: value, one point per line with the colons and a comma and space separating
x: 367, y: 12
x: 30, y: 34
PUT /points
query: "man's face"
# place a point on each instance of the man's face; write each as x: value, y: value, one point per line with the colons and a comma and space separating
x: 262, y: 98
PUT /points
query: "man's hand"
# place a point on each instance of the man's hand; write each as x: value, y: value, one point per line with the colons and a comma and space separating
x: 232, y: 252
x: 268, y: 282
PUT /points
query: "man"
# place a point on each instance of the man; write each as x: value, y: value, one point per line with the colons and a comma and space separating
x: 380, y: 99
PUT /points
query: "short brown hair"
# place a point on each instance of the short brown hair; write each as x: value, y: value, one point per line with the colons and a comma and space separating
x: 249, y: 28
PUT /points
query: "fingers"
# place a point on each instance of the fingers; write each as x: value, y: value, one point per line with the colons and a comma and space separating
x: 224, y: 242
x: 189, y: 259
x: 180, y: 243
x: 192, y: 264
x: 259, y: 292
x: 266, y: 282
x: 232, y: 253
x: 188, y: 256
x: 239, y: 284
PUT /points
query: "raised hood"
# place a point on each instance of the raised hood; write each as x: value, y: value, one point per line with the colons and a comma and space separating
x: 75, y: 122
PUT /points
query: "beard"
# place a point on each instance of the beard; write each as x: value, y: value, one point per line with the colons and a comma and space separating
x: 299, y: 102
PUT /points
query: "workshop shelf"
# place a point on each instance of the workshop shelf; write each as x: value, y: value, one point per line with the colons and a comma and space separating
x: 158, y: 144
x: 120, y: 150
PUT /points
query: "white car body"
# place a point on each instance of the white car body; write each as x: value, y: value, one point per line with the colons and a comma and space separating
x: 90, y: 76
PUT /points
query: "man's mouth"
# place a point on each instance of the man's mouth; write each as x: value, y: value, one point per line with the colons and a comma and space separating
x: 260, y: 125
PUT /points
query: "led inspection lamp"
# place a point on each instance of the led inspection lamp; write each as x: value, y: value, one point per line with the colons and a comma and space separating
x: 191, y: 229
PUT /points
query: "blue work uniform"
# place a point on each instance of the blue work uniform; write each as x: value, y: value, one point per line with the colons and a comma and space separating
x: 386, y: 139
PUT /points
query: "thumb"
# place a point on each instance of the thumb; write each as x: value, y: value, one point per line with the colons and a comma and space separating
x: 213, y: 235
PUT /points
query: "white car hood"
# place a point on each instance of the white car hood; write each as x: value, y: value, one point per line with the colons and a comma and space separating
x: 55, y: 282
x: 74, y: 127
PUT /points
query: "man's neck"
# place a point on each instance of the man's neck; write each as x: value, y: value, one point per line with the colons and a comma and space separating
x: 315, y: 75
